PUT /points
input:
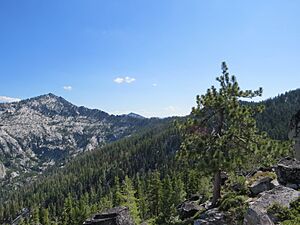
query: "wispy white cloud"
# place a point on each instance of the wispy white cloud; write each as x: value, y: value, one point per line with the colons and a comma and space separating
x: 9, y: 99
x: 170, y: 109
x: 120, y: 80
x: 67, y: 88
x: 154, y: 85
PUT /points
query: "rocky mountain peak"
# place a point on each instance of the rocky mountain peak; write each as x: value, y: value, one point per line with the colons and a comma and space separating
x: 49, y: 98
x: 49, y: 104
x: 45, y: 96
x: 135, y: 115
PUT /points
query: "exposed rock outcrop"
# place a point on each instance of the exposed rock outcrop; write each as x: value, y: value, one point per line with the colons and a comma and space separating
x: 257, y: 212
x: 212, y: 217
x: 188, y: 209
x: 264, y: 184
x: 288, y: 172
x: 115, y: 216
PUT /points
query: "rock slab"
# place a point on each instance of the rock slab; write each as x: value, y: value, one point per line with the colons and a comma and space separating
x: 212, y: 217
x: 261, y: 185
x: 288, y: 172
x: 257, y: 212
x: 188, y: 209
x: 115, y: 216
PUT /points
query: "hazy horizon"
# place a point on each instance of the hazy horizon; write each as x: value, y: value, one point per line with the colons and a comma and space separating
x: 5, y: 99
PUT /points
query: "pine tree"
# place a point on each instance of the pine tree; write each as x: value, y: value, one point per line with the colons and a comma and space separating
x: 221, y: 133
x: 21, y: 222
x: 155, y: 194
x: 167, y: 201
x: 35, y: 216
x: 193, y: 182
x: 179, y: 193
x: 68, y: 214
x: 83, y: 210
x: 105, y: 203
x: 128, y: 199
x: 117, y: 195
x: 45, y: 217
x: 142, y: 199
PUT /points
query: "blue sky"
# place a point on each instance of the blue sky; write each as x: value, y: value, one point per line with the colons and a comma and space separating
x: 147, y: 56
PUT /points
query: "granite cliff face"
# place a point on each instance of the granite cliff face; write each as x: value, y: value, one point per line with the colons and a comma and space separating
x: 42, y: 131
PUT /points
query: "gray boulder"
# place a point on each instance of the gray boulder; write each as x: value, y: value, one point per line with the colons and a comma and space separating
x: 264, y: 184
x: 288, y: 172
x: 212, y: 217
x: 115, y: 216
x: 188, y: 209
x: 257, y: 212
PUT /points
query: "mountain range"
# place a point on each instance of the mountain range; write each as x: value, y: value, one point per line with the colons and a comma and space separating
x: 39, y: 132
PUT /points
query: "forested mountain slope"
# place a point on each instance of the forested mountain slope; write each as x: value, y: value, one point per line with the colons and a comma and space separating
x: 277, y: 114
x: 93, y: 173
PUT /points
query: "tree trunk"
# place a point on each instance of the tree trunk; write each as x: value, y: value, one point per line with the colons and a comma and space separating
x: 217, y: 178
x: 217, y: 188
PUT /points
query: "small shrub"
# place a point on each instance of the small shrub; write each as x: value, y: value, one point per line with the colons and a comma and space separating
x: 288, y: 216
x: 295, y: 221
x: 279, y: 212
x: 295, y: 207
x: 231, y: 200
x: 236, y: 206
x: 151, y: 221
x: 238, y: 185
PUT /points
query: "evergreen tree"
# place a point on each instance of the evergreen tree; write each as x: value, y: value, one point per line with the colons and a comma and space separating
x: 83, y: 209
x: 167, y: 202
x: 44, y: 217
x: 193, y: 182
x: 179, y: 193
x: 128, y: 199
x: 221, y: 133
x: 117, y: 195
x: 68, y: 215
x: 21, y: 222
x: 35, y: 216
x: 155, y: 194
x: 142, y: 199
x: 105, y: 202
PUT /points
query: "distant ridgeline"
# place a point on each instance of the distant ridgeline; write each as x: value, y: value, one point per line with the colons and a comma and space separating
x: 275, y: 120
